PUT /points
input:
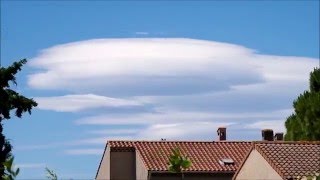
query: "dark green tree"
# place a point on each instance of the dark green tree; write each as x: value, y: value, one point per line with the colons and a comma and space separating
x: 304, y: 123
x: 10, y: 101
x: 178, y: 162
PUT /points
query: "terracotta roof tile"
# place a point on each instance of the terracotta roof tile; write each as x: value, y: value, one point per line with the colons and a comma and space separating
x: 292, y: 159
x: 205, y: 156
x: 121, y: 144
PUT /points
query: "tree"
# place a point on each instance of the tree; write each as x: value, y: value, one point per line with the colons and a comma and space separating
x: 10, y: 101
x: 10, y: 172
x: 304, y: 123
x: 51, y: 175
x: 178, y: 163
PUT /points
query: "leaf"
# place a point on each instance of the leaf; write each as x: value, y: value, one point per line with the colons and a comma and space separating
x: 177, y: 162
x: 186, y: 164
x: 17, y: 171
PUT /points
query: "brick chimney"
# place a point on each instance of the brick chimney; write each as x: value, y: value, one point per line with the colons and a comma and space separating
x: 278, y: 137
x: 222, y: 133
x: 267, y: 135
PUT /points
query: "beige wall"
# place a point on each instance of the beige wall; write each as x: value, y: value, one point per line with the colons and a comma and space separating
x: 192, y: 176
x: 123, y: 166
x: 141, y: 170
x: 256, y: 167
x: 104, y: 169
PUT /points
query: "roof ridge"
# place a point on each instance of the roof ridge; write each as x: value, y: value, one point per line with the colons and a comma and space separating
x: 179, y: 141
x: 287, y: 142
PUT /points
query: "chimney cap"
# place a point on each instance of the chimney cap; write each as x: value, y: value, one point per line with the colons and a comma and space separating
x: 267, y: 134
x: 278, y: 136
x: 221, y: 128
x: 222, y: 133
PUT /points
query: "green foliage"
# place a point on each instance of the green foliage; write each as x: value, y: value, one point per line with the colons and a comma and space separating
x: 10, y: 101
x: 314, y: 177
x: 304, y: 123
x: 177, y: 162
x: 5, y: 151
x: 51, y: 175
x: 315, y: 81
x: 10, y: 173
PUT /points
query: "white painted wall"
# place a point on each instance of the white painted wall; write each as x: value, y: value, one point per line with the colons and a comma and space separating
x: 104, y: 170
x: 141, y: 170
x: 256, y: 167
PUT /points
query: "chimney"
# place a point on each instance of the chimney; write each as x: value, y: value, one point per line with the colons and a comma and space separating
x: 267, y: 135
x: 222, y: 133
x: 278, y: 137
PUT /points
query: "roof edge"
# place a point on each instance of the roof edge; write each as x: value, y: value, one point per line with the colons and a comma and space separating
x: 179, y: 141
x: 287, y: 142
x: 222, y: 172
x: 268, y: 160
x: 105, y: 148
x: 243, y: 162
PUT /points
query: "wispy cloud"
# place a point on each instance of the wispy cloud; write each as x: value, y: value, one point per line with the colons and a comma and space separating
x: 142, y: 33
x: 114, y: 131
x: 31, y: 147
x: 99, y: 140
x: 186, y: 81
x: 165, y: 116
x: 276, y: 125
x: 84, y: 151
x: 78, y: 102
x: 31, y: 165
x: 182, y: 131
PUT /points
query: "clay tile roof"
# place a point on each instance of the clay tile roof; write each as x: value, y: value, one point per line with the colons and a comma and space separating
x: 205, y: 156
x: 121, y: 144
x: 291, y: 159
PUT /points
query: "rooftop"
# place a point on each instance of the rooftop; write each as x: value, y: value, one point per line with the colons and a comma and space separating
x: 291, y: 159
x: 205, y: 155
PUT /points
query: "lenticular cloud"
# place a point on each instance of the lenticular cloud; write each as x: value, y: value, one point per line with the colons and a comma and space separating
x: 154, y: 66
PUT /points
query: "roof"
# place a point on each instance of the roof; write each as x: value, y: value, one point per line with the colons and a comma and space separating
x: 204, y: 155
x: 291, y: 159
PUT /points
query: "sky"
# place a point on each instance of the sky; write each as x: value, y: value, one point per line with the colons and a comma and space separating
x: 146, y: 70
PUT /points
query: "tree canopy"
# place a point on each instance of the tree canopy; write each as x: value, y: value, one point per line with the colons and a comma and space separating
x: 304, y: 123
x: 10, y: 100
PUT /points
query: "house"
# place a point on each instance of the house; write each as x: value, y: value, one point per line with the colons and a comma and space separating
x: 280, y: 160
x: 271, y: 158
x: 148, y: 160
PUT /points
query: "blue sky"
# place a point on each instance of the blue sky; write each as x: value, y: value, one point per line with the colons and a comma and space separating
x: 150, y: 70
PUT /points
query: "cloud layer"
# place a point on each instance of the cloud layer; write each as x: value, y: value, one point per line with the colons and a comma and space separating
x: 78, y: 102
x: 145, y: 66
x: 186, y: 87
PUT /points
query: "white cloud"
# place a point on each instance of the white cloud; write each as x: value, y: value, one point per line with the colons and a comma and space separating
x: 142, y: 33
x: 114, y: 131
x: 276, y: 125
x: 171, y: 131
x: 99, y: 140
x: 182, y: 131
x: 37, y: 146
x: 31, y: 165
x: 185, y: 80
x: 165, y: 116
x: 154, y: 66
x: 84, y: 151
x: 74, y: 103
